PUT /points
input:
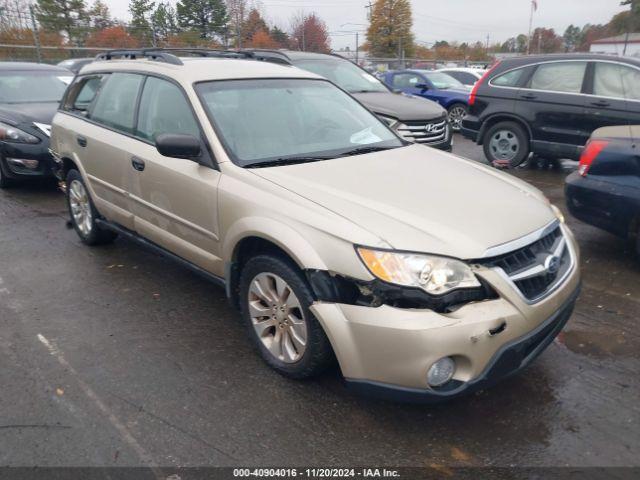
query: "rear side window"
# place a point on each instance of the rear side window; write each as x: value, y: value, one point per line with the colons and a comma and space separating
x: 564, y: 77
x: 82, y: 93
x: 509, y: 79
x: 616, y: 81
x: 463, y: 77
x: 164, y: 109
x: 115, y: 106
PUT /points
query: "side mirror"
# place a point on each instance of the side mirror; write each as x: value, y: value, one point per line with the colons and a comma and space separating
x: 178, y: 145
x: 422, y: 86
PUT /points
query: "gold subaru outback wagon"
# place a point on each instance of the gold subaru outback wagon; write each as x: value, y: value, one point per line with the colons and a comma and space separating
x: 423, y: 274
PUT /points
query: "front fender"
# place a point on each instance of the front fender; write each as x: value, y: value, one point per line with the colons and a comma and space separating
x: 280, y: 234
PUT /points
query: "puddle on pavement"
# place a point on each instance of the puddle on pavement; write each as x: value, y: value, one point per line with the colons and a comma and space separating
x: 597, y: 345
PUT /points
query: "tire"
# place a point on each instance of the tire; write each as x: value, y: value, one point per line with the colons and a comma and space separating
x: 5, y: 182
x: 506, y: 145
x: 288, y: 358
x: 456, y: 114
x: 83, y: 212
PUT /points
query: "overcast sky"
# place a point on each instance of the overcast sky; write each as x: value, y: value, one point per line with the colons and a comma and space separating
x: 451, y: 20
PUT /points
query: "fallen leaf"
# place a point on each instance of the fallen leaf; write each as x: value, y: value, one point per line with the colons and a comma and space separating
x: 59, y: 392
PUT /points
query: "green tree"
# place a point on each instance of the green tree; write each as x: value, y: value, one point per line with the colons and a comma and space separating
x: 140, y: 15
x: 207, y: 17
x: 389, y: 33
x: 164, y: 21
x: 521, y: 43
x: 100, y: 16
x: 280, y: 37
x: 571, y: 38
x: 67, y: 16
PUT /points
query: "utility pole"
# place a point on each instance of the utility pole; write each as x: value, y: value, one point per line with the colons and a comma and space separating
x: 357, y: 45
x: 36, y: 35
x: 488, y: 37
x: 530, y: 27
x: 369, y: 10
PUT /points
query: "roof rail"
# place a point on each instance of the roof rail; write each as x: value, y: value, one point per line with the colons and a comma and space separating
x: 157, y: 54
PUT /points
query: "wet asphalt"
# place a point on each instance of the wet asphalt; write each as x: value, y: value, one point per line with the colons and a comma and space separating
x: 114, y: 356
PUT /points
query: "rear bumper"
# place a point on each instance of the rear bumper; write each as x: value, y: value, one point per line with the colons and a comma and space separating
x: 510, y: 359
x: 595, y: 202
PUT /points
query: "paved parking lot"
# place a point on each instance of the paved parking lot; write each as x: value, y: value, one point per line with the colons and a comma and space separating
x: 115, y: 356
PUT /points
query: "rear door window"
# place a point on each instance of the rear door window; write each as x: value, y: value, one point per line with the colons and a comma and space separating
x: 509, y: 79
x: 561, y: 77
x: 116, y: 104
x: 616, y: 81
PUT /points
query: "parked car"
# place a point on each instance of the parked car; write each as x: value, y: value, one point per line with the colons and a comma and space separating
x: 605, y: 191
x: 466, y: 76
x: 317, y: 218
x: 75, y: 64
x: 436, y: 86
x: 550, y: 104
x: 414, y: 119
x: 29, y: 97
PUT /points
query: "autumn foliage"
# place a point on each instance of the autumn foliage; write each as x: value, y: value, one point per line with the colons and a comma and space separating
x: 112, y: 37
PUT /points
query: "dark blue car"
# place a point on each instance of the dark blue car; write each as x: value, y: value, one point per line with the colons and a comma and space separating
x: 436, y: 86
x: 605, y: 191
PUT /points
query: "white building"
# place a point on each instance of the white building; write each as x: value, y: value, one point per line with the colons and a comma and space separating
x: 628, y: 45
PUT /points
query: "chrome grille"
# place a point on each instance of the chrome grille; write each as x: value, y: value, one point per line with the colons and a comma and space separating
x: 424, y: 132
x: 536, y: 269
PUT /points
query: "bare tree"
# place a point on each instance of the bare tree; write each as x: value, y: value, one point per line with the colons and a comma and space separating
x: 237, y: 11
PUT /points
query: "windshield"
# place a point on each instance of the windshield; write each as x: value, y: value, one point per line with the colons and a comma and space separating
x: 263, y: 120
x: 344, y: 74
x: 442, y: 80
x: 32, y: 86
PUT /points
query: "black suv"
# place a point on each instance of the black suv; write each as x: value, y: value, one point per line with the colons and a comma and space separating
x: 550, y: 104
x: 415, y: 119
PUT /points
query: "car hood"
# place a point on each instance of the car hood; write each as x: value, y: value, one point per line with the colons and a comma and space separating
x: 402, y: 107
x: 419, y: 199
x: 21, y: 113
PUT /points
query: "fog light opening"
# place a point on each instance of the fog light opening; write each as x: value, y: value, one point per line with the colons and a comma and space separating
x: 24, y: 163
x: 441, y: 372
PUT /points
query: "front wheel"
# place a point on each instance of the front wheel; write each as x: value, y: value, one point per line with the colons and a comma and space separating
x: 274, y: 302
x: 506, y: 145
x: 83, y: 213
x: 456, y: 114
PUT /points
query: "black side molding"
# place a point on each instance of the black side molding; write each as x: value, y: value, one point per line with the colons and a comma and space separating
x: 161, y: 251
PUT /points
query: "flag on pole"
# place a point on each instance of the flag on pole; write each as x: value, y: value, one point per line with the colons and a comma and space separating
x: 534, y: 3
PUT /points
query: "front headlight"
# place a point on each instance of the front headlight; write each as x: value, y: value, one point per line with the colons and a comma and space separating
x: 435, y: 275
x: 15, y: 135
x: 557, y: 212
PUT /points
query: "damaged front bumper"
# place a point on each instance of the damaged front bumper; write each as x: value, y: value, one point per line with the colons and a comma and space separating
x: 386, y: 351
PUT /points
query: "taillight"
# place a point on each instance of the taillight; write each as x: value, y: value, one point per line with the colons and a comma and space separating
x: 589, y: 154
x: 474, y: 91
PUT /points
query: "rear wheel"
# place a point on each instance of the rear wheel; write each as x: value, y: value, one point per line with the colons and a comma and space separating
x: 274, y: 302
x: 506, y: 145
x: 83, y: 213
x: 456, y: 114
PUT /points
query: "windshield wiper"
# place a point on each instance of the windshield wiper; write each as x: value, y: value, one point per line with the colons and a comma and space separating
x: 362, y: 150
x: 286, y: 161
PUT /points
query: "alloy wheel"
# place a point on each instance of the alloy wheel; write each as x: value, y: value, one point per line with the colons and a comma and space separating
x: 456, y: 115
x: 504, y: 145
x: 80, y: 207
x: 277, y: 317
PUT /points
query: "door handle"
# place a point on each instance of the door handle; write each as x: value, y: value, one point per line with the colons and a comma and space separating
x: 81, y: 141
x: 529, y: 96
x: 601, y: 103
x: 138, y: 164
